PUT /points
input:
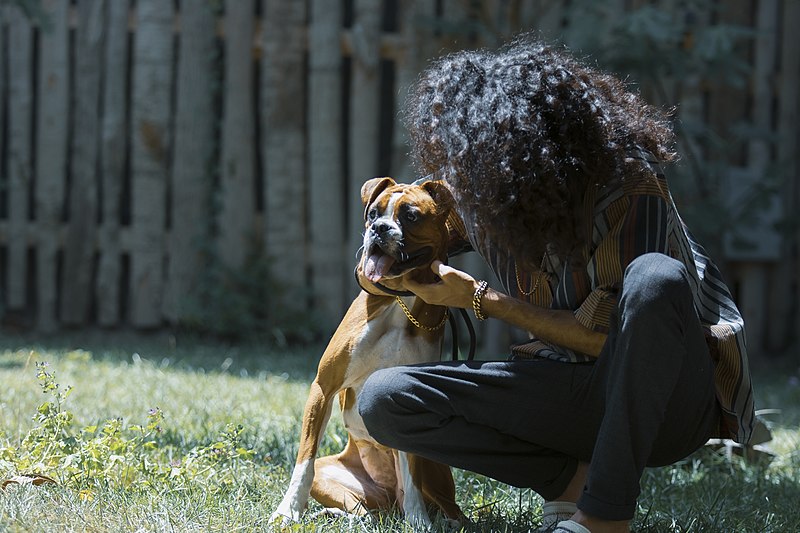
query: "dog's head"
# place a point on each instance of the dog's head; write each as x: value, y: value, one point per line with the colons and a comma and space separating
x: 405, y: 227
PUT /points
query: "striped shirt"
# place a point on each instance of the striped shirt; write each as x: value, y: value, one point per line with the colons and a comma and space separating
x: 628, y: 219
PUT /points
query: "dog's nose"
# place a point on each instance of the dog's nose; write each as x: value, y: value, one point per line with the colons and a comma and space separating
x: 381, y: 227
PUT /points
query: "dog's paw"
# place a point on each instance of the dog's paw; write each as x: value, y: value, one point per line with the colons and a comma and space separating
x: 283, y: 518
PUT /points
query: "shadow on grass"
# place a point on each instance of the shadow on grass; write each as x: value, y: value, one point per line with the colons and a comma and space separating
x: 178, y: 351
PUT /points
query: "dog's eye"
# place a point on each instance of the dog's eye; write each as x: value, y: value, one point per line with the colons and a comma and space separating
x: 372, y: 215
x: 411, y: 216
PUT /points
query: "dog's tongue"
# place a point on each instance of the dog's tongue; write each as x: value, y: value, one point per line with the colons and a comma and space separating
x: 377, y: 266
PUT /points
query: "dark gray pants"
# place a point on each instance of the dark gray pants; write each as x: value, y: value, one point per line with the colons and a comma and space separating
x: 648, y: 400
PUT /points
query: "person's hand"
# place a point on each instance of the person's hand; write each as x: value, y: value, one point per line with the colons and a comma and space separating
x: 455, y: 288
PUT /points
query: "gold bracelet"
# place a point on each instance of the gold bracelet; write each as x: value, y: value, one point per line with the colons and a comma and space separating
x: 477, y: 299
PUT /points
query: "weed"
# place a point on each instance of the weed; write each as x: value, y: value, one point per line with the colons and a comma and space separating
x: 115, y: 455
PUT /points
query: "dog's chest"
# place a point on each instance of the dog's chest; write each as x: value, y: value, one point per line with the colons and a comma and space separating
x: 385, y: 341
x: 389, y: 340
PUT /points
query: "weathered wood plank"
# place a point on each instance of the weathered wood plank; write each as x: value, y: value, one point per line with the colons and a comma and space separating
x: 81, y: 229
x: 364, y: 141
x: 283, y: 126
x: 20, y: 124
x: 51, y: 156
x: 782, y: 326
x: 759, y: 233
x: 151, y: 111
x: 327, y: 186
x: 3, y: 99
x: 407, y: 65
x: 112, y: 160
x: 193, y: 164
x: 237, y: 180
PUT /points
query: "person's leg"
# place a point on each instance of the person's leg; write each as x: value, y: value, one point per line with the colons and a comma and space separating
x: 504, y: 419
x: 529, y: 423
x: 658, y: 379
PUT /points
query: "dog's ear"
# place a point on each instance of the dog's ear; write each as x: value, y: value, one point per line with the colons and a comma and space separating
x: 372, y: 188
x: 441, y: 195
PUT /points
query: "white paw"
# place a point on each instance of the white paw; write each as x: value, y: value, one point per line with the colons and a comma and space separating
x: 283, y: 517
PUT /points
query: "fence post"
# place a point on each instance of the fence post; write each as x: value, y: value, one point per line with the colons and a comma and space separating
x: 20, y: 115
x: 192, y: 168
x: 79, y: 246
x: 327, y: 186
x: 783, y: 327
x: 151, y: 109
x: 112, y: 160
x: 51, y: 157
x: 286, y: 217
x: 365, y: 76
x: 406, y: 66
x: 237, y: 165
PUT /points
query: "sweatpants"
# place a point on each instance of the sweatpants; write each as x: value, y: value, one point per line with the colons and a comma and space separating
x: 648, y: 400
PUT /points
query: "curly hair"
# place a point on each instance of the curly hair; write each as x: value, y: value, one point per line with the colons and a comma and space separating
x: 521, y: 132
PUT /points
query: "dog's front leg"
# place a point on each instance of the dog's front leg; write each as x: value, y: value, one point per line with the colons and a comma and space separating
x: 413, y: 502
x: 315, y: 417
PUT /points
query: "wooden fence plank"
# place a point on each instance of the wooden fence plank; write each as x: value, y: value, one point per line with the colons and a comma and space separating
x: 3, y: 177
x: 151, y: 110
x: 781, y: 328
x: 192, y: 161
x: 364, y: 141
x: 237, y: 169
x: 406, y: 66
x: 20, y: 123
x: 113, y: 159
x: 51, y: 156
x: 284, y: 146
x: 81, y: 229
x: 326, y: 199
x: 765, y: 245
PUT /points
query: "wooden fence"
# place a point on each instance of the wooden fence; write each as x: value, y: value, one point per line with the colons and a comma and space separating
x: 136, y: 137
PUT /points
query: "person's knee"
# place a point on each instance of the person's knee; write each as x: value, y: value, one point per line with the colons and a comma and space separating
x: 654, y: 281
x: 375, y: 400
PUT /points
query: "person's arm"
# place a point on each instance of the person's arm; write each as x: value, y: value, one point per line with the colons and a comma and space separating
x: 560, y: 327
x: 639, y: 226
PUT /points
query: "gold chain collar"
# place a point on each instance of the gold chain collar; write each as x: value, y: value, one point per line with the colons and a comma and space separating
x: 416, y: 322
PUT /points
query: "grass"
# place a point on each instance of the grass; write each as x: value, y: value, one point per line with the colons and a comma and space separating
x: 185, y: 469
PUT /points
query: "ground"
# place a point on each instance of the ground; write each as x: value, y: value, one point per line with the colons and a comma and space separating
x: 160, y: 432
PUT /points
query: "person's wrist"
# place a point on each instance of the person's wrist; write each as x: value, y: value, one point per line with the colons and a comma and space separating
x: 477, y: 299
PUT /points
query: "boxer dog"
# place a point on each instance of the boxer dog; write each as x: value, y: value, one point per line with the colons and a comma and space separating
x: 405, y: 232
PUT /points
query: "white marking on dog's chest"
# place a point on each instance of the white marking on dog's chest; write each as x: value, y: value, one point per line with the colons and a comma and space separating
x: 386, y: 341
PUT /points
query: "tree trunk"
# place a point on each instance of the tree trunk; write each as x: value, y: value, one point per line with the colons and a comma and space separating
x: 364, y: 116
x: 20, y: 123
x: 283, y: 115
x: 236, y: 222
x: 326, y: 212
x: 194, y: 146
x: 151, y: 109
x: 51, y: 157
x: 79, y: 247
x: 113, y: 147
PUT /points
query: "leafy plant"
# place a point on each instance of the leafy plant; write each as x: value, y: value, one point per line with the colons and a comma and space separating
x: 110, y: 453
